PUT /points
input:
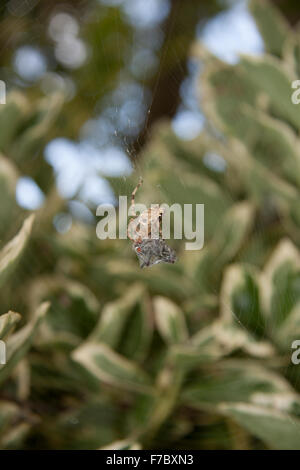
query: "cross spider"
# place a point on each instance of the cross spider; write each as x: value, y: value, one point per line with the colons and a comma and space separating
x: 149, y: 250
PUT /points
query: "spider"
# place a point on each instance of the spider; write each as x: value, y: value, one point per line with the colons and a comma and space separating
x: 154, y: 250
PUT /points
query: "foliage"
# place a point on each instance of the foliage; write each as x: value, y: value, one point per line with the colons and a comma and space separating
x: 193, y: 355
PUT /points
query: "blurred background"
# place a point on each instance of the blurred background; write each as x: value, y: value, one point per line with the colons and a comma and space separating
x: 122, y: 65
x: 195, y: 96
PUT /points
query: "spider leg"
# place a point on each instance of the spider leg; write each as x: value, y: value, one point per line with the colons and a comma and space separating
x: 128, y: 230
x: 160, y: 225
x: 133, y: 196
x: 137, y: 238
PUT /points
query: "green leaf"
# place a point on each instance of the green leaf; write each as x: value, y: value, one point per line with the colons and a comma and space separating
x: 126, y: 444
x: 114, y: 316
x: 89, y: 424
x: 18, y: 344
x: 162, y: 279
x: 14, y: 438
x: 265, y: 186
x: 169, y: 320
x: 112, y: 368
x: 164, y: 400
x: 31, y: 141
x: 240, y: 301
x: 10, y: 425
x: 289, y: 330
x: 269, y: 77
x: 73, y: 312
x: 11, y: 116
x: 136, y: 339
x: 234, y: 227
x: 280, y: 284
x: 8, y: 412
x: 239, y: 381
x: 10, y: 254
x: 232, y: 232
x: 267, y: 139
x: 8, y: 322
x: 231, y: 96
x: 201, y: 190
x: 216, y: 341
x: 272, y: 25
x: 279, y: 430
x: 8, y: 182
x: 224, y: 89
x: 296, y: 56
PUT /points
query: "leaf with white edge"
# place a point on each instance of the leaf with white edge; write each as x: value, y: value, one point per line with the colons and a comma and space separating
x: 171, y: 284
x: 32, y: 139
x: 73, y: 312
x: 268, y: 139
x: 201, y: 188
x: 262, y: 182
x: 11, y: 115
x: 126, y: 444
x: 272, y: 25
x: 257, y: 178
x: 215, y: 341
x: 112, y: 368
x: 167, y: 388
x: 223, y: 89
x: 221, y: 338
x: 279, y: 430
x: 114, y: 316
x: 170, y: 320
x: 240, y: 381
x: 296, y: 56
x: 15, y: 436
x: 10, y: 253
x: 8, y: 176
x: 8, y: 413
x: 8, y: 183
x: 267, y: 74
x: 239, y: 298
x: 18, y: 344
x: 137, y: 335
x: 280, y: 281
x: 289, y: 330
x: 230, y: 99
x: 8, y: 322
x: 233, y: 230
